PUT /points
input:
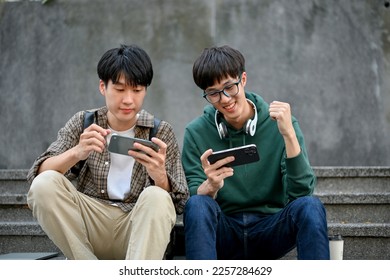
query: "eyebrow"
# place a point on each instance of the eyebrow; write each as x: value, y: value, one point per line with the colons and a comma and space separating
x: 224, y: 84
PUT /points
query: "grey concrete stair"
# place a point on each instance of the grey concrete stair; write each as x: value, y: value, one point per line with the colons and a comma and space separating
x: 357, y: 200
x: 357, y: 208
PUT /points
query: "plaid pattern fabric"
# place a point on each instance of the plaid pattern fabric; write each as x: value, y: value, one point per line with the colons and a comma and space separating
x: 92, y: 178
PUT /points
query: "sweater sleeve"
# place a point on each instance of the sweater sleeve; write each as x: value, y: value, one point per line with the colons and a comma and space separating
x: 191, y: 163
x: 298, y: 176
x: 175, y: 172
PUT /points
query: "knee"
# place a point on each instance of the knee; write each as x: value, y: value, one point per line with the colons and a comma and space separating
x: 200, y: 204
x: 43, y: 188
x: 314, y: 203
x: 157, y: 200
x: 196, y: 201
x: 154, y: 194
x: 43, y: 183
x: 311, y: 207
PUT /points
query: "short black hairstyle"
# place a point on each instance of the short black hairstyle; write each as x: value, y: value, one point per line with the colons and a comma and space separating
x: 128, y: 60
x: 217, y: 63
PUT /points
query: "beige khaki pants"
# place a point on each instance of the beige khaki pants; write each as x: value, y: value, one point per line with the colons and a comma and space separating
x: 84, y: 228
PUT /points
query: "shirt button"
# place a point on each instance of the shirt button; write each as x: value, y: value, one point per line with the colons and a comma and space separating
x: 106, y: 163
x: 102, y: 191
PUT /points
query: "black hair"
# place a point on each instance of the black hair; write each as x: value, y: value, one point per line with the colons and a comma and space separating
x: 130, y: 61
x: 217, y: 63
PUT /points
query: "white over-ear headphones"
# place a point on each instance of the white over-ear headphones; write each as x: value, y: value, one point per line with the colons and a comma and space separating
x: 249, y: 127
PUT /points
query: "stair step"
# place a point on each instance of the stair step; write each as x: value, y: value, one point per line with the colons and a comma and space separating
x: 352, y: 171
x: 13, y: 181
x: 361, y: 241
x: 26, y: 243
x: 29, y: 256
x: 357, y: 207
x: 357, y: 200
x: 340, y: 208
x: 16, y: 213
x: 13, y: 174
x: 21, y: 228
x: 354, y: 198
x: 360, y: 229
x: 326, y: 198
x: 331, y: 179
x: 357, y: 213
x: 13, y: 199
x: 344, y: 229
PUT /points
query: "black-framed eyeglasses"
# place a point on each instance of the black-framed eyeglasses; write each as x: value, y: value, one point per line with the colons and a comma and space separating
x: 230, y: 90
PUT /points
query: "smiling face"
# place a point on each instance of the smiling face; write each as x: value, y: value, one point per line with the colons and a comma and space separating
x: 236, y: 110
x: 123, y: 101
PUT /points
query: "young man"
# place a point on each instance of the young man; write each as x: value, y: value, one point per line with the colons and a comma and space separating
x: 260, y: 210
x: 123, y: 206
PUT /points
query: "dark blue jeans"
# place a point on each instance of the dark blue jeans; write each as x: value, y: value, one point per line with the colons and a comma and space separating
x: 209, y: 234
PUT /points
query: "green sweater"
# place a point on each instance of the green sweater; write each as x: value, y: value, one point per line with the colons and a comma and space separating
x: 265, y: 186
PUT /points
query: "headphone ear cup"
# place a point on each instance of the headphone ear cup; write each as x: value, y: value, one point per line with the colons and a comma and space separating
x: 250, y: 127
x: 221, y: 127
x: 222, y: 130
x: 247, y: 126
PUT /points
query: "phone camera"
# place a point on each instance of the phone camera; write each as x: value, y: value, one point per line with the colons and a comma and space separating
x: 250, y: 151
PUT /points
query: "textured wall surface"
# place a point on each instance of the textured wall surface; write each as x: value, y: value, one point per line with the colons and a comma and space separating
x: 329, y: 59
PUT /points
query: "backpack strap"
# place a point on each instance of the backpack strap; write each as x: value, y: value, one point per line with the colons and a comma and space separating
x: 89, y: 118
x: 154, y: 129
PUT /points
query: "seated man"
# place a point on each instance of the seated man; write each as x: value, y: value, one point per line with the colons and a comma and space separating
x: 123, y: 206
x: 260, y: 210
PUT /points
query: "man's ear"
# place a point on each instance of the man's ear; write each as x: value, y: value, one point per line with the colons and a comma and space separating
x: 102, y: 88
x: 243, y: 79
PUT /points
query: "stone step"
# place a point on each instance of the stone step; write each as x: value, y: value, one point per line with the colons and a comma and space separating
x: 357, y: 213
x: 13, y: 181
x: 342, y: 208
x: 16, y: 213
x: 361, y: 241
x: 330, y: 179
x: 357, y: 207
x: 353, y: 179
x: 343, y: 229
x: 13, y: 199
x: 357, y: 200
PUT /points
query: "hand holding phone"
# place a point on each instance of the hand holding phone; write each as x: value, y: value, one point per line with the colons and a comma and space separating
x: 122, y: 144
x: 242, y: 155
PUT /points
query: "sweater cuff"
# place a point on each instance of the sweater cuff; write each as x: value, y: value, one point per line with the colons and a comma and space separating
x: 297, y: 165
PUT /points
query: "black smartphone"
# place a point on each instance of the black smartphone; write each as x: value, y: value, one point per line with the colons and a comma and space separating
x: 242, y: 155
x: 122, y: 144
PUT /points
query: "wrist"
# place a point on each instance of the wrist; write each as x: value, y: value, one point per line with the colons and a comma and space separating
x: 208, y: 189
x: 292, y: 146
x: 163, y: 183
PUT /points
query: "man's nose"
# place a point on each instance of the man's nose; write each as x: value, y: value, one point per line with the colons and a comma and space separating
x: 225, y: 95
x: 128, y: 96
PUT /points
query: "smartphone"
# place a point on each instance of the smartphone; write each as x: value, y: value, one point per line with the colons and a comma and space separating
x: 122, y: 144
x: 242, y: 155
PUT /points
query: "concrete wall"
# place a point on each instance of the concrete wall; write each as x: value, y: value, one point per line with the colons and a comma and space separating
x: 328, y: 58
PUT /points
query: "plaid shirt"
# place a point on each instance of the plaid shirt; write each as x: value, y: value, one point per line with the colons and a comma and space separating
x: 92, y: 178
